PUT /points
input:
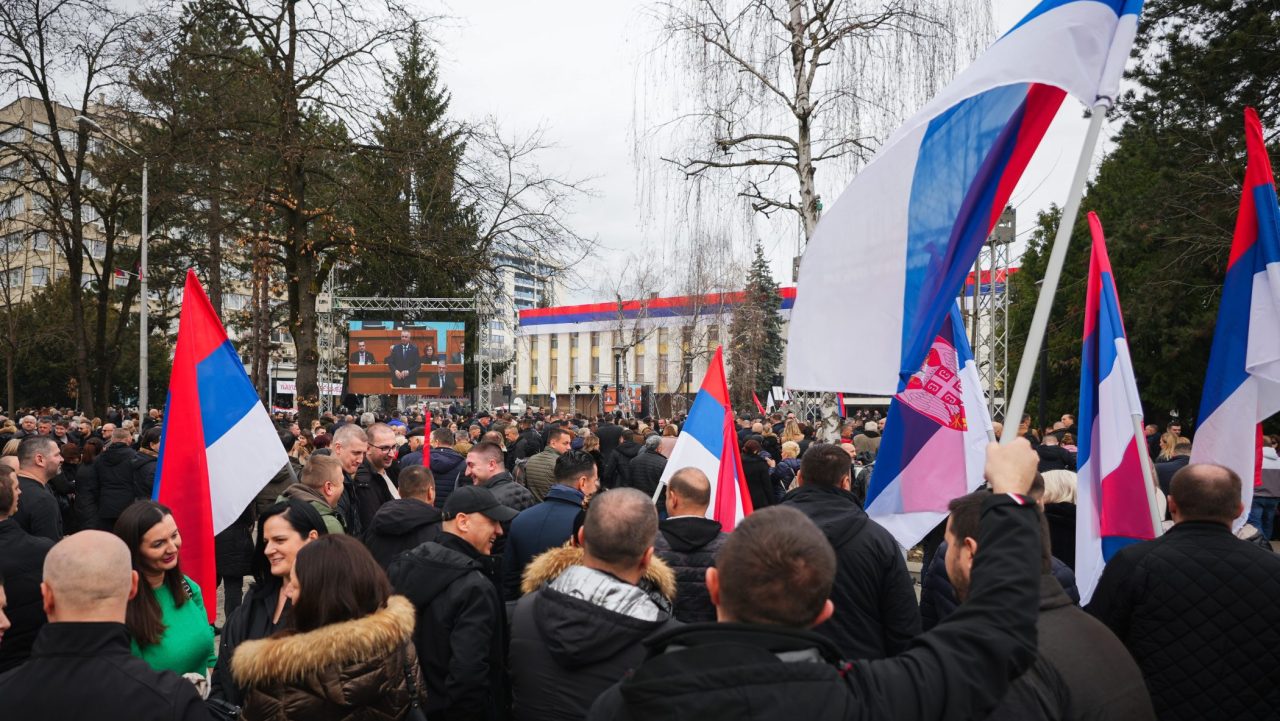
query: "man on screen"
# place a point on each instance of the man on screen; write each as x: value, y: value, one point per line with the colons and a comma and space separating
x: 362, y: 357
x: 404, y: 362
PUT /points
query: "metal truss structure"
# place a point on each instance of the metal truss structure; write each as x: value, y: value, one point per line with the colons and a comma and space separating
x: 333, y: 310
x: 986, y: 311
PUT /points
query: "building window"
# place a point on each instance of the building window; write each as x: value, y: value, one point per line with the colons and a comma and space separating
x: 235, y: 301
x: 11, y: 171
x: 86, y: 279
x: 13, y: 279
x: 14, y: 134
x: 11, y: 243
x: 12, y: 206
x: 98, y: 248
x: 39, y: 276
x: 40, y: 241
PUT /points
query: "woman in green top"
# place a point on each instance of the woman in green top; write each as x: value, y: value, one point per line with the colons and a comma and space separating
x: 166, y: 618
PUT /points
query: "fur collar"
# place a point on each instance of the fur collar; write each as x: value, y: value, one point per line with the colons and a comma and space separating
x: 290, y: 658
x: 549, y: 565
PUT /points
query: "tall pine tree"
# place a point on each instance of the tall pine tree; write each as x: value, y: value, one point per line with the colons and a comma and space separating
x: 755, y: 336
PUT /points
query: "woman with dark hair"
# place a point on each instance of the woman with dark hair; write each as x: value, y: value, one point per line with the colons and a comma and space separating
x: 756, y: 470
x: 166, y: 618
x: 84, y: 514
x: 348, y: 653
x: 283, y: 529
x: 63, y: 485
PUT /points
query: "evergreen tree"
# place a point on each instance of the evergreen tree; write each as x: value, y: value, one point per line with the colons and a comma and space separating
x: 1167, y: 196
x: 755, y: 336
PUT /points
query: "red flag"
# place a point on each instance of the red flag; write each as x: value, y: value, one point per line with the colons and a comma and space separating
x: 759, y: 405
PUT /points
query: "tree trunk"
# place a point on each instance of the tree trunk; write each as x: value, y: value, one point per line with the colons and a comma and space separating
x: 803, y: 110
x: 8, y: 382
x: 215, y: 239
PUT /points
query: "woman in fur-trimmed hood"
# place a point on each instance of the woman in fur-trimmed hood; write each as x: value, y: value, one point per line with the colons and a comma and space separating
x: 587, y: 609
x: 333, y: 665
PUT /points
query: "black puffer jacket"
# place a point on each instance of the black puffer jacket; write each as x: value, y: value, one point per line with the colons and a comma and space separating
x: 447, y: 466
x: 22, y: 565
x: 108, y: 487
x: 875, y: 599
x: 577, y: 631
x: 617, y: 470
x: 251, y: 620
x: 400, y: 525
x: 461, y: 628
x: 1197, y: 609
x: 689, y: 546
x: 645, y: 470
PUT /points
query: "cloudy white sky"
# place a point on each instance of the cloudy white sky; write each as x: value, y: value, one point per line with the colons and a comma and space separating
x: 571, y: 66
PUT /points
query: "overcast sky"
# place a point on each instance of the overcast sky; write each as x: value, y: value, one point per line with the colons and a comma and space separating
x: 571, y: 65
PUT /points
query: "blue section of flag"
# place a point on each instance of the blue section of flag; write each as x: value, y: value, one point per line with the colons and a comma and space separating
x: 1119, y: 7
x: 226, y: 395
x: 706, y: 423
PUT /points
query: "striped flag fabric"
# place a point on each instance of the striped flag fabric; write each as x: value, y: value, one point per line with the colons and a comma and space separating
x: 1242, y: 386
x: 909, y: 226
x: 709, y: 441
x: 1115, y: 504
x: 218, y: 447
x: 935, y: 439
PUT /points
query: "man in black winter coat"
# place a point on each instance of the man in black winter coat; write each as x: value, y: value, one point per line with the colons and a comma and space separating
x: 1082, y: 671
x: 617, y: 470
x: 80, y: 666
x: 461, y: 621
x: 645, y: 470
x: 688, y: 542
x: 372, y: 484
x: 583, y: 630
x: 772, y: 581
x: 447, y: 465
x: 1053, y: 457
x: 1197, y: 606
x: 21, y: 564
x: 39, y: 461
x: 406, y: 522
x: 350, y: 444
x: 610, y: 435
x: 110, y: 485
x: 876, y: 611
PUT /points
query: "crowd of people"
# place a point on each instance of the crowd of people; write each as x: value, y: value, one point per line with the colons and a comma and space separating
x: 480, y: 566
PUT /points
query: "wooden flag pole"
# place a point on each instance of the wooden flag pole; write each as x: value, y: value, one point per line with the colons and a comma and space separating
x: 1052, y: 274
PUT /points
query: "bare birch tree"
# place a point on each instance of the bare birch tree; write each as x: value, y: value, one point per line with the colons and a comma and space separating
x: 755, y: 95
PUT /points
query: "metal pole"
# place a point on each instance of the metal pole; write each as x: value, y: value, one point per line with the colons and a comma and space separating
x: 144, y: 301
x: 1052, y: 274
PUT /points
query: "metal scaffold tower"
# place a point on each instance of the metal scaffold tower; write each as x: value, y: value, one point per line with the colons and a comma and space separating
x: 986, y: 311
x: 334, y: 310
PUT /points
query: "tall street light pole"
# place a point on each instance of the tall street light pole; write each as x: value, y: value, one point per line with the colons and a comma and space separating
x: 143, y: 301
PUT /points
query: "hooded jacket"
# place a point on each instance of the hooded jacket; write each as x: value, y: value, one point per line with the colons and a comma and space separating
x: 400, y: 525
x: 546, y: 525
x: 876, y: 610
x: 357, y: 669
x: 578, y: 631
x: 108, y: 487
x: 461, y: 628
x: 689, y: 544
x: 333, y: 522
x: 447, y: 466
x: 617, y: 469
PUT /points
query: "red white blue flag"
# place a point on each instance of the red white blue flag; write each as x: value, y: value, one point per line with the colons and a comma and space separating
x: 935, y: 439
x: 709, y: 442
x: 1114, y: 502
x: 1242, y: 387
x: 908, y: 228
x: 218, y: 447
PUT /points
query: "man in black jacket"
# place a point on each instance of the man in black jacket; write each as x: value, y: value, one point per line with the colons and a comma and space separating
x: 460, y: 634
x: 21, y: 563
x: 485, y: 469
x: 581, y: 632
x: 110, y: 485
x: 688, y: 542
x: 876, y: 611
x: 39, y: 460
x: 772, y: 580
x: 610, y: 435
x: 617, y: 470
x: 1082, y: 671
x: 80, y: 666
x: 372, y: 483
x: 1197, y: 606
x: 350, y: 444
x: 645, y: 470
x: 406, y: 522
x: 1053, y: 457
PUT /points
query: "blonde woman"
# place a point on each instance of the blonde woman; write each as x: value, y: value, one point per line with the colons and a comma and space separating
x: 791, y: 432
x: 1167, y: 443
x: 1059, y: 503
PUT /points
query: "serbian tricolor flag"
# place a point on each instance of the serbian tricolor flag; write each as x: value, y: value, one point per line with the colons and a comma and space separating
x: 935, y: 439
x: 1242, y: 386
x: 1115, y: 501
x: 908, y: 228
x: 218, y: 447
x: 759, y: 405
x: 709, y: 441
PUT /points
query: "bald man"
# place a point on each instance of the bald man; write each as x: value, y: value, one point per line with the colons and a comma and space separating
x: 80, y: 666
x: 688, y: 541
x: 1197, y: 606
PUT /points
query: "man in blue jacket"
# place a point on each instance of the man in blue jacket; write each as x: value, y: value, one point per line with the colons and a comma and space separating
x: 550, y: 523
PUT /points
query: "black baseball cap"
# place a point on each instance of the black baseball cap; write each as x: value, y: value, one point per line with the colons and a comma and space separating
x: 477, y: 499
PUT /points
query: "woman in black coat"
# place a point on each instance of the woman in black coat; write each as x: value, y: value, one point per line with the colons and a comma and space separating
x: 756, y: 469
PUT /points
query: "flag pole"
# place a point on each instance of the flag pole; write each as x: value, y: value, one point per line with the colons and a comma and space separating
x: 1052, y: 274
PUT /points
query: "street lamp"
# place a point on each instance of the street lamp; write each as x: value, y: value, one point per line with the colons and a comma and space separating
x: 617, y: 378
x: 142, y: 267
